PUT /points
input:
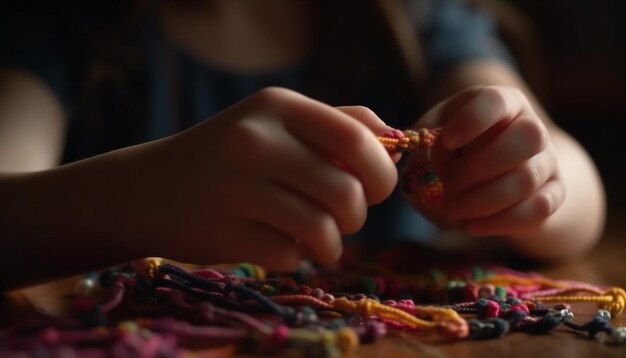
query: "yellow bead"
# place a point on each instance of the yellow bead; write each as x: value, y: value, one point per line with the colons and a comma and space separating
x: 347, y: 340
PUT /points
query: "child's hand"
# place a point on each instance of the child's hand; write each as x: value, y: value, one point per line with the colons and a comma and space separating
x: 273, y: 178
x: 496, y: 161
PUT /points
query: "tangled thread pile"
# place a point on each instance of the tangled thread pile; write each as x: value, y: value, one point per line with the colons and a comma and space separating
x: 218, y: 312
x: 150, y: 308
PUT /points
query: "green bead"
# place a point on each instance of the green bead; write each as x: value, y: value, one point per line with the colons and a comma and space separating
x: 238, y: 272
x: 501, y: 292
x: 248, y: 268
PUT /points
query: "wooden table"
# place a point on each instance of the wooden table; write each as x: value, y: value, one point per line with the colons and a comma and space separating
x: 606, y: 265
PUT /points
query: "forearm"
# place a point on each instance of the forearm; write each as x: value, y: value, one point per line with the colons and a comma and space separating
x: 65, y: 220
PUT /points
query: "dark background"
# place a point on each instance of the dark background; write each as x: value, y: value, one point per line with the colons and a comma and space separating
x: 574, y: 55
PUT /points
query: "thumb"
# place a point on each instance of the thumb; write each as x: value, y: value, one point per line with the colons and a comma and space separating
x: 368, y: 118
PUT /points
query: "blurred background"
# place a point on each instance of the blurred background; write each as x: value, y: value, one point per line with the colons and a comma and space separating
x: 573, y: 53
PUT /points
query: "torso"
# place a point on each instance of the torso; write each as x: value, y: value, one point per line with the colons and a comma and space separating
x: 241, y: 36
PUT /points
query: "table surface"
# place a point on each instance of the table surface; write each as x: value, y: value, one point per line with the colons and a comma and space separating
x: 606, y: 265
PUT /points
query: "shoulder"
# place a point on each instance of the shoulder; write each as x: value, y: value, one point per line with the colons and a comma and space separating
x: 455, y: 31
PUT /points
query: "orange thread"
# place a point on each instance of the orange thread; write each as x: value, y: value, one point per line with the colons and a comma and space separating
x: 612, y: 300
x: 509, y: 280
x: 445, y: 321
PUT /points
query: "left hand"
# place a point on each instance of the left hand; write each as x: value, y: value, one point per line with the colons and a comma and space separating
x: 496, y: 161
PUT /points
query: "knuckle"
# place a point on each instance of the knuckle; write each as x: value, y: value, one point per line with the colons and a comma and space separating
x: 349, y: 191
x: 531, y: 178
x: 247, y: 141
x: 358, y: 139
x: 536, y: 135
x: 324, y: 233
x: 323, y: 226
x: 544, y: 205
x: 498, y: 96
x: 351, y: 199
x: 364, y: 111
x: 272, y: 96
x: 515, y: 92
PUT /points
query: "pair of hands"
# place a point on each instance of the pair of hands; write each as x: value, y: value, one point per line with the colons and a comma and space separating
x: 279, y: 176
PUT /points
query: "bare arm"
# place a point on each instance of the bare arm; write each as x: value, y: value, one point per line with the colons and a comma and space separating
x: 42, y: 203
x: 254, y: 183
x: 578, y: 223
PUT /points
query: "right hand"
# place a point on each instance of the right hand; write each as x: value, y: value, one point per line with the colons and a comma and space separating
x: 272, y: 179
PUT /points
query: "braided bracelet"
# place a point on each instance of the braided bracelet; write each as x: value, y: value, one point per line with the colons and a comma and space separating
x: 419, y: 174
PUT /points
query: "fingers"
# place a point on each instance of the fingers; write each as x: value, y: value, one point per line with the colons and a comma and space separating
x: 304, y: 222
x: 371, y: 120
x: 272, y: 153
x: 527, y: 214
x: 520, y: 140
x: 503, y: 191
x: 317, y: 180
x: 486, y: 107
x: 495, y: 161
x: 337, y: 136
x: 367, y: 117
x: 440, y: 113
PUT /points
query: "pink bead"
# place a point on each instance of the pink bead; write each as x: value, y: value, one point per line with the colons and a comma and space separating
x: 208, y: 274
x: 471, y: 291
x: 305, y: 290
x: 49, y: 336
x: 408, y: 303
x: 519, y: 308
x: 493, y: 309
x: 281, y: 334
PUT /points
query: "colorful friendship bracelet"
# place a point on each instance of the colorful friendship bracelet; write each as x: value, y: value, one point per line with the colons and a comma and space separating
x: 419, y: 174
